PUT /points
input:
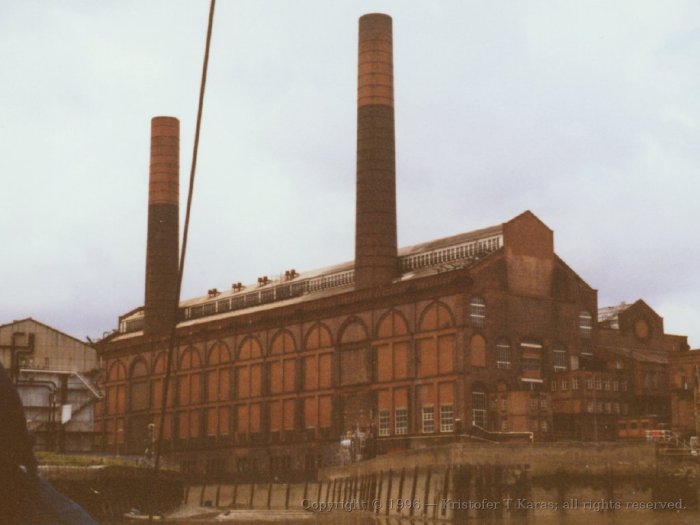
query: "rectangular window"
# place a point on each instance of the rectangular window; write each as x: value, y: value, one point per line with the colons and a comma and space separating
x: 590, y: 407
x: 384, y: 422
x: 479, y: 409
x: 559, y: 359
x: 606, y: 385
x: 543, y: 403
x: 446, y: 418
x: 503, y: 355
x: 598, y: 383
x: 564, y: 384
x: 553, y: 385
x: 589, y: 383
x: 544, y: 426
x: 534, y: 427
x: 401, y: 421
x: 616, y: 386
x: 428, y: 420
x: 532, y: 403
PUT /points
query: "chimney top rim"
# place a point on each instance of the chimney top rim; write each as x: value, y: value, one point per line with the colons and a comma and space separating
x: 376, y: 15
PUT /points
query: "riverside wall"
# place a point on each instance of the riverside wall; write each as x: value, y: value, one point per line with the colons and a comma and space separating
x: 477, y: 480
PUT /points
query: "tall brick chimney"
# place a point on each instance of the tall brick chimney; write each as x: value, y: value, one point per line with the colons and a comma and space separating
x: 376, y: 261
x: 163, y: 229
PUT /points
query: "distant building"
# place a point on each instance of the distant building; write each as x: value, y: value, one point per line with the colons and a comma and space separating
x: 621, y: 387
x: 55, y: 375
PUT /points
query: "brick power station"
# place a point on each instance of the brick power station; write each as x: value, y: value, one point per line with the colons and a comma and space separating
x: 483, y: 335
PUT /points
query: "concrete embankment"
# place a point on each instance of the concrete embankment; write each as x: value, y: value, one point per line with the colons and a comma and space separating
x: 107, y: 492
x: 467, y: 480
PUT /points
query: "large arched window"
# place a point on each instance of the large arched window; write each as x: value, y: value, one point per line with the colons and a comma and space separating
x: 317, y: 380
x: 138, y: 386
x: 282, y: 367
x: 392, y: 348
x: 249, y: 387
x: 189, y: 393
x: 355, y: 362
x: 116, y: 403
x: 218, y: 391
x: 157, y: 380
x: 477, y: 312
x: 435, y: 342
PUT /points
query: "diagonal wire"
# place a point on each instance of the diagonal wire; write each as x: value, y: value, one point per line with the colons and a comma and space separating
x: 183, y: 252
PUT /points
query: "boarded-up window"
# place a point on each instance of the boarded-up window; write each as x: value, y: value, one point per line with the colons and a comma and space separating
x: 446, y: 346
x: 289, y: 415
x: 384, y: 363
x: 436, y: 316
x: 354, y: 366
x: 324, y: 370
x: 318, y: 336
x: 310, y: 412
x: 311, y: 373
x: 427, y: 357
x: 392, y: 325
x: 325, y: 411
x: 477, y: 350
x: 139, y: 386
x: 275, y: 416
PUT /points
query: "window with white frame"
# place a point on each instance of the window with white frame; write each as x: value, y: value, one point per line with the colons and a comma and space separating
x: 560, y: 359
x: 401, y: 421
x: 428, y: 420
x: 384, y: 422
x: 531, y: 355
x: 503, y: 354
x: 477, y: 312
x: 479, y: 409
x: 585, y: 323
x: 446, y: 418
x: 574, y: 383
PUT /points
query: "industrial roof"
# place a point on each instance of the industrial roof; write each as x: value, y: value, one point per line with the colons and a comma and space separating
x: 419, y: 260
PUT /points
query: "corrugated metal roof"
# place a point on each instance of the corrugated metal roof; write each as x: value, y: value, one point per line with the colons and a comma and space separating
x: 431, y: 247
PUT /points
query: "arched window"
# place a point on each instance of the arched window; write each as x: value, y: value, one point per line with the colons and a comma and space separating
x: 503, y: 354
x: 138, y: 386
x: 248, y: 373
x: 317, y: 379
x: 157, y: 380
x: 189, y: 394
x: 218, y: 390
x: 585, y: 324
x: 477, y: 312
x: 392, y: 349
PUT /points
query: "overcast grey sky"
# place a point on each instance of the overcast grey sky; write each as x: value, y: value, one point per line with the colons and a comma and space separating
x: 585, y: 112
